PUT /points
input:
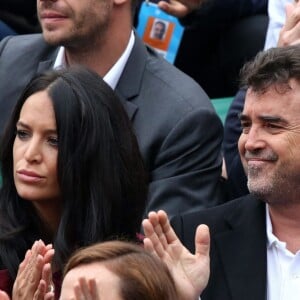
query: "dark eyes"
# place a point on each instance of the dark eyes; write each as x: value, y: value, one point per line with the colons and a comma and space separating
x: 245, y: 126
x: 272, y: 126
x: 268, y: 126
x: 24, y: 135
x: 53, y: 141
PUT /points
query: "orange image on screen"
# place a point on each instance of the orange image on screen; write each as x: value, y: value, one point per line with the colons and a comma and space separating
x: 158, y: 33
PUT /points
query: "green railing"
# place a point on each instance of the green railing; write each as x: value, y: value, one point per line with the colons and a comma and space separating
x: 221, y: 106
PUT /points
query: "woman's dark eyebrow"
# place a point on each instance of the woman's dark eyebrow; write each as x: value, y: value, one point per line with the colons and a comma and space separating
x: 24, y: 125
x: 20, y: 123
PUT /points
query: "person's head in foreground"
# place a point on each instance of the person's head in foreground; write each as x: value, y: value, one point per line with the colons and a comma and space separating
x: 117, y: 271
x: 269, y: 143
x: 71, y: 169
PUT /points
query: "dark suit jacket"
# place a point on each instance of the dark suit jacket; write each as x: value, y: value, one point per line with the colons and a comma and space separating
x: 238, y: 248
x: 224, y: 12
x: 178, y: 131
x: 237, y: 180
x: 20, y: 15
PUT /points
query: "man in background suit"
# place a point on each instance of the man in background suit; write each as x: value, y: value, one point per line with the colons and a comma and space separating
x: 255, y: 240
x: 178, y: 131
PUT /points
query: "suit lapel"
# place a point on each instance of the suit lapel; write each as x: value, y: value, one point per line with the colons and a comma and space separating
x: 130, y: 107
x: 48, y: 55
x: 242, y: 251
x: 130, y: 82
x: 45, y: 65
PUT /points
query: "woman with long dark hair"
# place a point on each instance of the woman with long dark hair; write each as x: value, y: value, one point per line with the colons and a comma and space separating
x: 72, y: 175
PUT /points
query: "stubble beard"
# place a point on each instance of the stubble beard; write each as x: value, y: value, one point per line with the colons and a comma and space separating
x: 259, y: 184
x: 79, y: 35
x: 276, y: 188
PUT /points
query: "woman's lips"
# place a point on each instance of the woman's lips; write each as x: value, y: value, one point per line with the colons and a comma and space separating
x: 29, y: 176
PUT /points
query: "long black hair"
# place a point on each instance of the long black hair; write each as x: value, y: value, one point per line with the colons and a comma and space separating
x: 99, y: 168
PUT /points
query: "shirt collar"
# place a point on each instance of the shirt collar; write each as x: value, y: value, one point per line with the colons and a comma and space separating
x: 272, y: 240
x: 113, y: 75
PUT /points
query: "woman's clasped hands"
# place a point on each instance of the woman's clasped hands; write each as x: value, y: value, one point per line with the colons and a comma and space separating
x: 34, y: 278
